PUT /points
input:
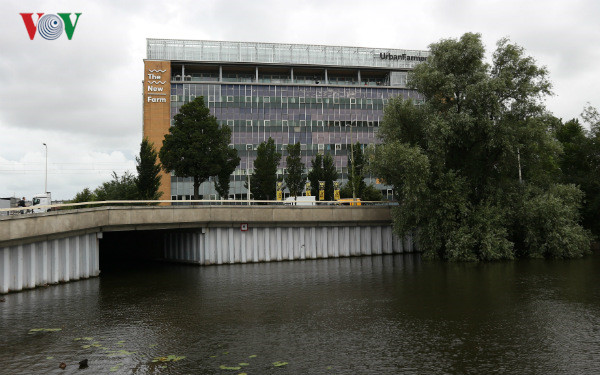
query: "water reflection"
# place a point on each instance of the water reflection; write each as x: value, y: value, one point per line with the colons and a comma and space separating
x: 364, y: 315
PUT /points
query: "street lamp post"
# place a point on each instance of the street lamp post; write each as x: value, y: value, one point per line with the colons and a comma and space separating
x: 46, y: 174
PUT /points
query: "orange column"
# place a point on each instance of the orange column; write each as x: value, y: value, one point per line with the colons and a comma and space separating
x: 157, y: 110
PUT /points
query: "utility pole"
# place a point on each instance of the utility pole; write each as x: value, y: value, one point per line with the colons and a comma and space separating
x: 46, y: 176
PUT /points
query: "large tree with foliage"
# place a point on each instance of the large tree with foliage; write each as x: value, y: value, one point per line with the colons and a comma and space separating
x: 295, y: 170
x: 580, y: 162
x: 315, y: 174
x: 196, y: 145
x: 323, y: 169
x: 119, y: 188
x: 228, y: 165
x: 468, y: 161
x: 148, y: 169
x: 264, y: 178
x: 356, y: 176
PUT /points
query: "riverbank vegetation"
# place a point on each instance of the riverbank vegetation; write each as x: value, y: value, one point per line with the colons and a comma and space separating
x: 475, y: 161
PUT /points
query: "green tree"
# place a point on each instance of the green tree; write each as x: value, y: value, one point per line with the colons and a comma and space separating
x: 316, y: 174
x: 119, y: 188
x: 370, y: 193
x: 230, y: 161
x: 580, y: 164
x: 196, y: 145
x: 148, y: 177
x: 86, y: 195
x: 329, y: 175
x: 466, y: 162
x: 295, y: 169
x: 323, y: 169
x: 356, y: 176
x: 264, y: 178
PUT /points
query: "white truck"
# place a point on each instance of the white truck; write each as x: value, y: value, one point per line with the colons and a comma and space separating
x: 41, y: 200
x: 300, y: 201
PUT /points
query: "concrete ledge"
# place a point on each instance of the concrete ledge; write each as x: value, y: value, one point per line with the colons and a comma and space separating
x: 20, y: 229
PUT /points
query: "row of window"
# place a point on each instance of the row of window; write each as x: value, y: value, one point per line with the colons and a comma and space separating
x: 251, y: 78
x: 283, y: 100
x: 301, y: 123
x: 303, y: 147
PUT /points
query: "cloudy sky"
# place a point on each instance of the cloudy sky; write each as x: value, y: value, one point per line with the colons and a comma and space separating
x: 83, y: 97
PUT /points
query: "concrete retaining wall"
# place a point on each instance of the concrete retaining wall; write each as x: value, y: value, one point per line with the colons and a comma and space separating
x: 48, y: 262
x: 264, y: 244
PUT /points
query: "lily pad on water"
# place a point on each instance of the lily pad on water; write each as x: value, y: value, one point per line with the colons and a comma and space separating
x: 34, y: 330
x: 49, y: 357
x: 116, y: 367
x: 253, y: 356
x: 225, y: 367
x: 279, y: 363
x: 85, y: 346
x: 117, y: 353
x: 169, y: 358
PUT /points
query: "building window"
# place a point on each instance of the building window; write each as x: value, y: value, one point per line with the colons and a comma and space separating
x: 248, y: 122
x: 230, y: 122
x: 267, y: 99
x: 173, y: 98
x: 192, y: 98
x: 248, y: 147
x: 301, y: 99
x: 302, y: 122
x: 230, y: 99
x: 284, y: 122
x: 352, y: 100
x: 284, y: 99
x: 248, y: 99
x: 267, y: 122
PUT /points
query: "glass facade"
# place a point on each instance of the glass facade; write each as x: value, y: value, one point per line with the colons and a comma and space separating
x: 324, y: 97
x: 277, y: 53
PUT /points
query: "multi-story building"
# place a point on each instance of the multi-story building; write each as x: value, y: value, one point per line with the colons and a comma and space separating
x: 325, y: 97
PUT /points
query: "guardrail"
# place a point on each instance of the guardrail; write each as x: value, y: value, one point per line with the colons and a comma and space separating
x: 199, y: 203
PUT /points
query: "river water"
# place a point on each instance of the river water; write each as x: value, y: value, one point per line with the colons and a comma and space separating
x: 366, y: 315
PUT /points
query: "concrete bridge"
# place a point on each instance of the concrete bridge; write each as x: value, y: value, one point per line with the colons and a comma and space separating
x: 65, y: 245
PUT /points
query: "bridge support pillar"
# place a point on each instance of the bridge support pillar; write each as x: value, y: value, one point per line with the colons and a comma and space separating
x: 48, y: 262
x: 227, y: 245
